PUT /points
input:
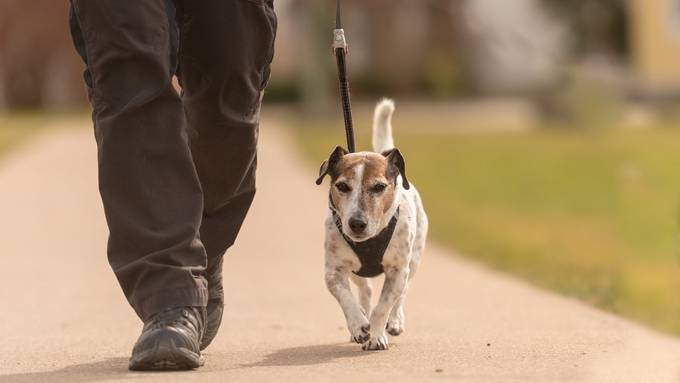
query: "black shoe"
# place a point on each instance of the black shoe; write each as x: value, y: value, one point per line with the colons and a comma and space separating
x: 215, y: 303
x: 170, y: 341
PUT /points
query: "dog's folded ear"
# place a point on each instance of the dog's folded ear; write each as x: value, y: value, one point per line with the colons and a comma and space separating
x: 328, y: 166
x: 396, y: 166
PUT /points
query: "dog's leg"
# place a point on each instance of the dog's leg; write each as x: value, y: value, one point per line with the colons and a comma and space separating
x: 365, y: 292
x: 337, y: 281
x: 396, y: 280
x: 396, y: 324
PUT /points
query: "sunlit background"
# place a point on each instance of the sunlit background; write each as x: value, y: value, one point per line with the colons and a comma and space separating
x: 544, y: 135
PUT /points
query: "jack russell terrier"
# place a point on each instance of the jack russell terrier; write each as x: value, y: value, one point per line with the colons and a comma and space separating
x: 376, y: 224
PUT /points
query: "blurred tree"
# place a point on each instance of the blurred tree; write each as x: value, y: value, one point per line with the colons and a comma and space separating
x: 412, y: 46
x: 442, y: 74
x: 38, y: 67
x: 401, y: 46
x: 598, y: 25
x: 317, y: 63
x: 397, y: 47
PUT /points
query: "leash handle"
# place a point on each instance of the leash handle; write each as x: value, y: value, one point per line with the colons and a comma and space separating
x: 340, y: 49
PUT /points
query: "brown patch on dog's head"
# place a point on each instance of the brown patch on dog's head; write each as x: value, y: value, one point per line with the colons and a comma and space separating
x: 364, y: 187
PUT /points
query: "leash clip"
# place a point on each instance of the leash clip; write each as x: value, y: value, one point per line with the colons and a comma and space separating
x: 339, y: 41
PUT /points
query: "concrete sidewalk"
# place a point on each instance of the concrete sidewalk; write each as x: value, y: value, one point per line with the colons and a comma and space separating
x: 64, y: 318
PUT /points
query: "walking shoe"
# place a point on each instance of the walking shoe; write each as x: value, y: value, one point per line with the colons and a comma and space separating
x: 170, y: 341
x: 215, y: 306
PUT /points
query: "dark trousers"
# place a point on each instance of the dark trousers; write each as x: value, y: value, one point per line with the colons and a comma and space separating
x: 176, y: 173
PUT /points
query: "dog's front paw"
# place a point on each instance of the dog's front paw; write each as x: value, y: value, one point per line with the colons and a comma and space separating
x: 360, y: 332
x: 376, y: 343
x: 395, y: 327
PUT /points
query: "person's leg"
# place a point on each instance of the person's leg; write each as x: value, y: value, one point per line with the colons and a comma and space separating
x: 226, y: 48
x: 149, y: 187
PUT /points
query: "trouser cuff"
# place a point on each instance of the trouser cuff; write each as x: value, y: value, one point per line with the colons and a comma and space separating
x: 165, y: 299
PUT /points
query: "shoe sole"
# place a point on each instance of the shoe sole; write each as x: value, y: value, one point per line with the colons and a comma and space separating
x: 166, y: 357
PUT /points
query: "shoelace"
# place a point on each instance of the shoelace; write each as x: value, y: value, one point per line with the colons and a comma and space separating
x: 173, y: 316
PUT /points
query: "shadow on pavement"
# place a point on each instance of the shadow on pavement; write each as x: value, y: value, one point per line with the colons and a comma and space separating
x: 116, y: 368
x: 108, y: 369
x: 309, y: 355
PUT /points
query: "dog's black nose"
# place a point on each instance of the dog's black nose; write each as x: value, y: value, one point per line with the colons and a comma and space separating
x: 357, y: 225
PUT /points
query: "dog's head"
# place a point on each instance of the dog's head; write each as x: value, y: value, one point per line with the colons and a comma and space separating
x: 364, y: 189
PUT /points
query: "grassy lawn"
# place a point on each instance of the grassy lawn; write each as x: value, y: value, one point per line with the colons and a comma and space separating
x: 15, y: 128
x: 591, y: 215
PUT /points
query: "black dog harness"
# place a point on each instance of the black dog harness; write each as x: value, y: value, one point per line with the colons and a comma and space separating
x: 371, y: 251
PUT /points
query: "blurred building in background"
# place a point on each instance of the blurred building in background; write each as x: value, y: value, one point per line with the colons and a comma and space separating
x: 403, y: 48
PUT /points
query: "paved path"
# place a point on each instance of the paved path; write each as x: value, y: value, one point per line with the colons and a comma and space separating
x: 63, y: 318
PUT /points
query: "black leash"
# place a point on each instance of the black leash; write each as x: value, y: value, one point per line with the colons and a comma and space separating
x: 340, y: 49
x: 371, y: 251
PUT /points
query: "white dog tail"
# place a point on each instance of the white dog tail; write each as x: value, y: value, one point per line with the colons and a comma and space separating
x: 382, y: 126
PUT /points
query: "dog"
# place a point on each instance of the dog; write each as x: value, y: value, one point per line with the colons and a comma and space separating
x: 376, y: 224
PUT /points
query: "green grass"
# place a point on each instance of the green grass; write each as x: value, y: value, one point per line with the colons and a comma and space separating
x: 591, y: 215
x: 17, y: 127
x: 13, y: 130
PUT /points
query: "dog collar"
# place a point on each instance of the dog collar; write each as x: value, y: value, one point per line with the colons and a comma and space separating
x: 371, y: 251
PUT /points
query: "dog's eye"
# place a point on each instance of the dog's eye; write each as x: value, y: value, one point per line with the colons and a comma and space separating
x: 378, y: 188
x: 343, y: 187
